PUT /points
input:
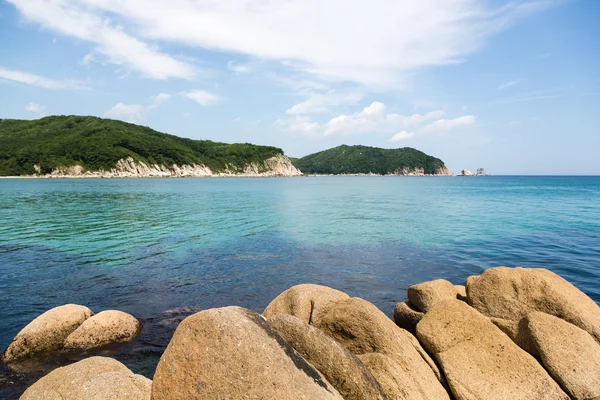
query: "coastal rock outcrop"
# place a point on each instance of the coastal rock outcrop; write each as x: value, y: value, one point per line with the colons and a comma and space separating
x: 569, y: 354
x: 478, y: 360
x: 94, y: 378
x: 339, y: 366
x: 47, y: 332
x: 232, y: 353
x: 421, y: 297
x: 278, y: 165
x: 512, y: 293
x: 406, y: 317
x: 305, y: 301
x: 104, y: 328
x: 363, y: 328
x: 425, y: 295
x: 396, y: 383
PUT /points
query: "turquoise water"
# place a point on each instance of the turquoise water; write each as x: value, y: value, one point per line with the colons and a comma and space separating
x: 163, y: 248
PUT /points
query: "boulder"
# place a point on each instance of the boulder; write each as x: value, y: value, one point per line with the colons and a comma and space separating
x: 570, y: 354
x: 94, y: 378
x: 47, y: 332
x: 517, y: 331
x: 363, y: 328
x: 339, y: 366
x: 305, y: 301
x: 424, y: 295
x: 407, y: 317
x: 461, y: 292
x: 480, y: 361
x: 232, y: 353
x: 512, y: 293
x: 104, y: 328
x: 396, y: 383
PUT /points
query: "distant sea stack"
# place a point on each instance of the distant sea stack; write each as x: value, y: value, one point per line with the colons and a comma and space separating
x: 364, y: 160
x: 76, y: 146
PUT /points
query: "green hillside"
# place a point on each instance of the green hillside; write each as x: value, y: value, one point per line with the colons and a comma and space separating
x: 96, y: 143
x: 363, y: 160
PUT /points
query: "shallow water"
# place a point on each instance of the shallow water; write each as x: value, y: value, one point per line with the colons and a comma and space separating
x: 161, y: 249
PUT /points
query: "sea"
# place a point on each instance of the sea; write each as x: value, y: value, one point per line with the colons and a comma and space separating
x: 162, y: 249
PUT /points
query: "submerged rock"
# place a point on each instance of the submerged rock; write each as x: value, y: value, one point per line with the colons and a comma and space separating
x: 305, y: 301
x: 512, y: 293
x: 478, y: 360
x: 570, y: 354
x: 363, y: 328
x: 47, y: 332
x: 339, y: 366
x: 232, y: 353
x: 104, y: 328
x: 95, y: 378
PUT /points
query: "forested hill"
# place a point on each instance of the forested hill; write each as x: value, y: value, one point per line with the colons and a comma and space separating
x: 96, y: 143
x: 365, y: 160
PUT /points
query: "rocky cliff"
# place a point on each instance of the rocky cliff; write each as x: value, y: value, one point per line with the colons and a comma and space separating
x: 278, y: 165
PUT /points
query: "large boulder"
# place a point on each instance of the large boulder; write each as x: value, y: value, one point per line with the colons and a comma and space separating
x: 232, y: 353
x: 104, y: 328
x: 512, y: 293
x: 478, y: 360
x: 363, y: 328
x: 305, y: 301
x: 47, y: 332
x: 406, y: 317
x: 570, y: 354
x: 339, y: 366
x: 424, y: 295
x: 94, y: 378
x: 397, y: 384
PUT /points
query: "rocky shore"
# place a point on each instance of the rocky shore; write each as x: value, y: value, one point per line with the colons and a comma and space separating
x: 279, y: 165
x: 510, y: 333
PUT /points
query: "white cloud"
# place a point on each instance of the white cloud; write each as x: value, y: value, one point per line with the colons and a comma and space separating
x: 84, y: 20
x: 376, y: 44
x: 508, y: 84
x: 135, y: 113
x: 202, y: 97
x: 400, y: 136
x: 36, y: 80
x: 160, y: 98
x: 238, y: 68
x: 320, y: 102
x: 372, y: 119
x: 300, y: 125
x: 35, y: 108
x: 88, y: 59
x: 127, y: 112
x: 448, y: 124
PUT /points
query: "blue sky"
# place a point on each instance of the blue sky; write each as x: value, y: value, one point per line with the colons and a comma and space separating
x: 512, y: 86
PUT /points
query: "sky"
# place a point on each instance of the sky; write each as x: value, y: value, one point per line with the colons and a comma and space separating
x: 512, y: 86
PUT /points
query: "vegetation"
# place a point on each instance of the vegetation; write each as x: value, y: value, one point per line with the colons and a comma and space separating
x: 364, y: 160
x: 96, y: 143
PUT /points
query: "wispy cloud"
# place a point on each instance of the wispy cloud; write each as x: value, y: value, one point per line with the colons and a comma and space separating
x: 508, y: 84
x: 136, y: 113
x: 531, y: 96
x: 376, y: 45
x: 442, y: 125
x: 84, y: 20
x: 321, y: 102
x: 400, y: 136
x: 202, y: 97
x: 238, y: 68
x: 40, y: 81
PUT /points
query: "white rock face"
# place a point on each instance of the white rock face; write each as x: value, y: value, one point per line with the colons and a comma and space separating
x: 279, y: 165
